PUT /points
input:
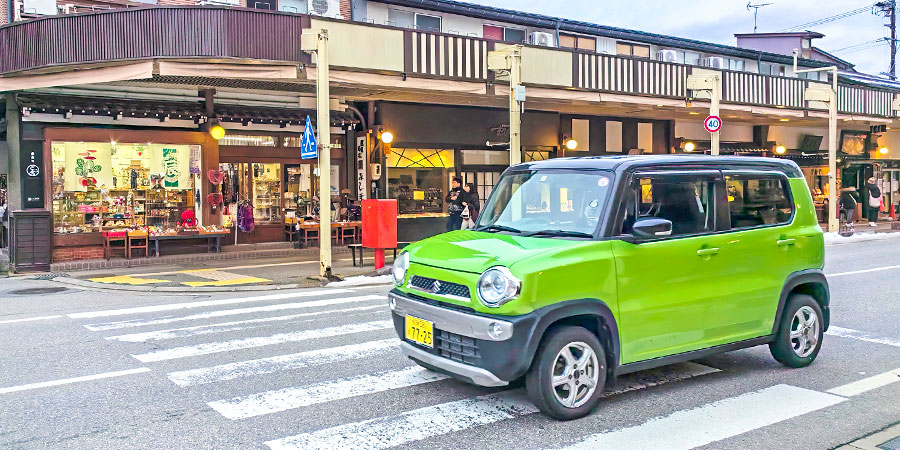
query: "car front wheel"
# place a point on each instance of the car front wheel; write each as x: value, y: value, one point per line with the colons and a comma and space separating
x: 568, y: 374
x: 800, y: 332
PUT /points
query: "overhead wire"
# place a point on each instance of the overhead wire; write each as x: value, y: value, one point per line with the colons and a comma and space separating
x: 828, y: 19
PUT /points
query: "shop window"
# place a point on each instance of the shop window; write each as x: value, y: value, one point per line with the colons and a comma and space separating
x: 629, y: 49
x: 419, y: 179
x: 428, y: 23
x: 260, y: 183
x: 757, y: 200
x: 99, y: 186
x: 246, y: 140
x: 577, y: 42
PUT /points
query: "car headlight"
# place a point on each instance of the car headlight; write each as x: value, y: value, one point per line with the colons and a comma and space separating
x: 497, y: 286
x: 400, y: 267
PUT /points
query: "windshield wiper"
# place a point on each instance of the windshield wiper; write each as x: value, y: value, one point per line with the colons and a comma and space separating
x: 498, y: 228
x: 566, y: 233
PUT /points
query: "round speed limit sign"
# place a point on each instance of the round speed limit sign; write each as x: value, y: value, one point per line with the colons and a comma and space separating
x: 712, y: 124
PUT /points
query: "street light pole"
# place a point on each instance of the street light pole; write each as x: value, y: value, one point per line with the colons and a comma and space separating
x: 509, y: 60
x: 829, y: 96
x: 316, y: 41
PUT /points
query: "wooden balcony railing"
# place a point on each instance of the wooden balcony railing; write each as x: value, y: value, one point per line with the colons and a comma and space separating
x: 627, y: 75
x: 756, y: 89
x: 445, y: 55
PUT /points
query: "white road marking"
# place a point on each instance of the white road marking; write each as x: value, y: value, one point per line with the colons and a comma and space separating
x: 293, y: 263
x: 413, y: 425
x: 296, y: 397
x: 173, y: 333
x: 854, y: 272
x: 861, y: 336
x: 713, y: 422
x: 98, y: 376
x: 30, y: 319
x: 261, y: 341
x: 203, y: 304
x: 867, y: 384
x: 280, y: 363
x: 444, y: 418
x: 232, y: 312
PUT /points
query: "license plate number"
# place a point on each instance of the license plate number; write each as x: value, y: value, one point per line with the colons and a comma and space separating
x: 420, y: 331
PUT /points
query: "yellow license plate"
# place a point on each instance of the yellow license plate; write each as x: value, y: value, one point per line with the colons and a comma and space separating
x: 420, y: 331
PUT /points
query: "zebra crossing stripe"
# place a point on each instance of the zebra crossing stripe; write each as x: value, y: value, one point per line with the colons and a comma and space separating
x: 260, y: 341
x: 436, y: 420
x: 203, y: 304
x: 296, y: 397
x: 692, y: 428
x: 232, y: 312
x: 413, y: 425
x: 293, y: 361
x: 173, y: 333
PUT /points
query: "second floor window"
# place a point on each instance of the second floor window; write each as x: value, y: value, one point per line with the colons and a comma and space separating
x: 629, y: 49
x: 428, y: 23
x: 577, y: 42
x: 771, y: 69
x: 498, y: 33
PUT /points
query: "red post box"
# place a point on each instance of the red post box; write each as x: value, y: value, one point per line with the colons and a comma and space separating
x: 379, y: 226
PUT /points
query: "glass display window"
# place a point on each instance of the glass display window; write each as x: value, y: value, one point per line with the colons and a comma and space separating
x: 99, y: 186
x: 419, y: 179
x: 260, y: 183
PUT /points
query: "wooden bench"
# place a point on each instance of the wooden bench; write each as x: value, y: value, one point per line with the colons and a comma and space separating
x: 355, y: 247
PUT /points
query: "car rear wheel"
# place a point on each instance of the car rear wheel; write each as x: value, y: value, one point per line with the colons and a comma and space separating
x: 568, y: 374
x: 800, y: 332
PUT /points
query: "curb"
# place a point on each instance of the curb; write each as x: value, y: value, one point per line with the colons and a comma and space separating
x: 872, y: 441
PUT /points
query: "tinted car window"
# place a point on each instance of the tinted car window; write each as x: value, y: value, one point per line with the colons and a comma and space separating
x: 757, y: 200
x: 687, y: 204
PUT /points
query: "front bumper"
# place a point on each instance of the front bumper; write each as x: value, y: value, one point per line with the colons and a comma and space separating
x: 463, y: 348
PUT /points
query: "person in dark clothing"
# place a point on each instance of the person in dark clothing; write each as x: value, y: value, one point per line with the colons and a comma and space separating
x: 873, y: 200
x: 454, y: 201
x: 847, y: 204
x: 471, y: 204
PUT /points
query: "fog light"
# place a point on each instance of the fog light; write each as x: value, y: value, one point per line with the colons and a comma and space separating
x: 392, y: 302
x: 495, y: 330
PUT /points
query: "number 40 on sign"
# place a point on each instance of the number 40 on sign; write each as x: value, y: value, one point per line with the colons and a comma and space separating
x: 712, y: 124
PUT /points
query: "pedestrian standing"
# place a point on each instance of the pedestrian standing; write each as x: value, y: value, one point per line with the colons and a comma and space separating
x: 471, y: 204
x: 847, y: 204
x: 873, y: 195
x: 454, y: 201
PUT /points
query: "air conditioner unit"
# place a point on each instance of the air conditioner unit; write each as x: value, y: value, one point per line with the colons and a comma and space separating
x: 716, y: 62
x: 667, y: 56
x: 542, y: 38
x: 326, y: 8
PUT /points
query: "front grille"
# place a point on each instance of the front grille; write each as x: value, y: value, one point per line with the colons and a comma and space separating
x: 433, y: 302
x: 445, y: 288
x: 457, y: 348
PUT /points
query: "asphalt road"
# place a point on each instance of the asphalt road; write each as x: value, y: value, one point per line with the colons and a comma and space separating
x: 319, y: 368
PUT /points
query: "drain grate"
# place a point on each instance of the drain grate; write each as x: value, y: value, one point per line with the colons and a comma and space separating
x: 893, y: 444
x: 49, y: 276
x: 38, y: 291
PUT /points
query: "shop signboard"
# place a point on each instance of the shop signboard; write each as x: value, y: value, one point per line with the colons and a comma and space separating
x: 308, y: 148
x: 361, y: 167
x: 32, y: 175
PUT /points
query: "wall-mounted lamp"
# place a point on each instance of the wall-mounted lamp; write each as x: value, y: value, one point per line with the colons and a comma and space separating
x: 386, y: 136
x: 883, y: 150
x: 216, y: 131
x: 780, y: 150
x: 689, y: 147
x: 570, y: 144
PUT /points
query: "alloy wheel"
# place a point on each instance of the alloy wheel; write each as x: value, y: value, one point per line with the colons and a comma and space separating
x: 804, y: 331
x: 576, y: 373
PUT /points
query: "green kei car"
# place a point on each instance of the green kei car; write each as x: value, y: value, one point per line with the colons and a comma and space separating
x: 582, y: 269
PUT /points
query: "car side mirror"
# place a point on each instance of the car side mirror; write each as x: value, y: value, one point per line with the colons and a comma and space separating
x: 651, y: 227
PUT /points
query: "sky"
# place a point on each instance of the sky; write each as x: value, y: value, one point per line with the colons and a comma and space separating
x: 718, y: 21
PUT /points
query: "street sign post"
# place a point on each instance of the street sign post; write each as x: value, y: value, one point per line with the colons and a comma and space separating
x: 712, y: 124
x: 308, y: 148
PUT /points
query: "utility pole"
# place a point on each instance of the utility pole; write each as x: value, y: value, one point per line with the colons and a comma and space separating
x: 889, y: 9
x: 509, y: 60
x: 317, y: 41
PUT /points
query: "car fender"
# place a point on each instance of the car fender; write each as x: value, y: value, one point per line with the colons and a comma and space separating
x: 812, y: 276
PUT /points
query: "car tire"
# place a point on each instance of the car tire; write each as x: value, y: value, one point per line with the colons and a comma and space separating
x: 800, y: 332
x: 563, y: 358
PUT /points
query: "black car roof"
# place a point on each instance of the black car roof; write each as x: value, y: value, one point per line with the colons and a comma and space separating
x: 625, y: 163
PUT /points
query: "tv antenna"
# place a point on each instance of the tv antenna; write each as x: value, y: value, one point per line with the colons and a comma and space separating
x: 756, y: 11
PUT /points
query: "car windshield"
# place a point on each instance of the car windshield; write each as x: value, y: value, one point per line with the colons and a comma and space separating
x: 547, y: 203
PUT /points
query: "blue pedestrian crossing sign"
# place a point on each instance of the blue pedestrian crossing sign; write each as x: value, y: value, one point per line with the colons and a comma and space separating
x: 308, y: 147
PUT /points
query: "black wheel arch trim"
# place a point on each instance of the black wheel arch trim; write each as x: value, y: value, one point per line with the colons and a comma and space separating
x: 549, y: 315
x: 809, y: 276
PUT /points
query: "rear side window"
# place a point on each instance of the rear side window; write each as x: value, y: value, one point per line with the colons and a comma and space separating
x: 758, y: 200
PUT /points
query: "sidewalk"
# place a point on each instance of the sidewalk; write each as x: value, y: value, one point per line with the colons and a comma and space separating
x: 237, y: 271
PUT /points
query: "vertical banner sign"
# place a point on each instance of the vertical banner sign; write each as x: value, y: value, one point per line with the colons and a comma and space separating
x: 195, y: 160
x: 170, y: 164
x: 32, y: 166
x: 361, y: 166
x: 308, y: 148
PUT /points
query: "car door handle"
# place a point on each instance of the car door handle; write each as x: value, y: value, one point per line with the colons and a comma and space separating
x: 707, y: 252
x: 783, y: 242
